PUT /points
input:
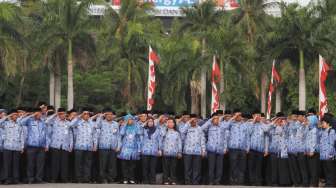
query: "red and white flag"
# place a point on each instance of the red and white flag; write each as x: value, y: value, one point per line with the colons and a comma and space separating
x: 153, y: 59
x: 215, y: 79
x: 275, y: 77
x: 116, y: 2
x: 228, y: 4
x: 323, y: 73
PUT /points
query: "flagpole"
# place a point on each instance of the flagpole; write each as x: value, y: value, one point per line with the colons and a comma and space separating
x: 152, y: 58
x: 269, y: 102
x: 320, y: 68
x: 149, y: 93
x: 323, y: 73
x: 214, y: 91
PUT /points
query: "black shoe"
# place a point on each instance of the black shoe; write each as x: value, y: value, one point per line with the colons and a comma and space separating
x: 7, y: 182
x: 111, y: 181
x: 104, y: 181
x: 86, y: 181
x: 40, y: 182
x: 64, y: 181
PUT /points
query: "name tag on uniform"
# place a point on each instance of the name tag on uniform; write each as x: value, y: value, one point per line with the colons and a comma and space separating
x: 114, y: 130
x: 130, y: 136
x: 191, y: 131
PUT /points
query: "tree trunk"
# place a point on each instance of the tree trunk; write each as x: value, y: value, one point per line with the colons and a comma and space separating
x: 263, y: 92
x: 52, y: 87
x: 70, y: 77
x: 19, y: 97
x: 129, y: 86
x: 302, y: 83
x: 277, y: 100
x: 203, y: 83
x: 58, y: 76
x: 194, y: 88
x: 221, y: 86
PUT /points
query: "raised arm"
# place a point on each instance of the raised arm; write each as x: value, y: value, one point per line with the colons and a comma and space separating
x: 206, y: 125
x: 74, y: 122
x: 51, y: 119
x: 24, y: 120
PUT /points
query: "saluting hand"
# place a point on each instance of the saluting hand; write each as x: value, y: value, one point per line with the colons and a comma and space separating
x: 203, y: 154
x: 265, y: 154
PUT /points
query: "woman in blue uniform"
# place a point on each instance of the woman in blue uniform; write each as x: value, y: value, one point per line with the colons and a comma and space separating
x: 151, y: 143
x: 172, y: 150
x: 130, y: 148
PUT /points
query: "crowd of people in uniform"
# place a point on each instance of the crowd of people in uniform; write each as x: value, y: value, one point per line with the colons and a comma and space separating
x: 40, y: 145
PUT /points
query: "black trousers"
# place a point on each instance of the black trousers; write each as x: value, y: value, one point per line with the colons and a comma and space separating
x: 279, y: 171
x: 83, y: 164
x: 237, y: 166
x: 303, y: 168
x: 35, y: 163
x: 128, y: 169
x: 255, y: 166
x: 59, y: 165
x: 149, y: 169
x: 11, y: 165
x: 169, y: 169
x: 313, y: 169
x: 215, y: 167
x: 329, y: 170
x: 192, y: 169
x: 294, y: 169
x: 1, y: 165
x: 107, y: 165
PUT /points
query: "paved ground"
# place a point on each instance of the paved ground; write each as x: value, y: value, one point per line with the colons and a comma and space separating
x: 104, y: 186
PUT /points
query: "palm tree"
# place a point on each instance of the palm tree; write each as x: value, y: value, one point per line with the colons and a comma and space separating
x: 299, y: 29
x: 226, y: 43
x: 125, y: 36
x: 180, y: 61
x: 14, y: 51
x: 11, y: 40
x: 199, y: 20
x: 251, y: 17
x: 253, y: 21
x: 66, y: 25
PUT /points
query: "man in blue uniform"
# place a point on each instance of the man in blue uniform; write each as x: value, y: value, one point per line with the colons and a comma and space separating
x: 258, y: 148
x: 194, y: 149
x: 60, y: 143
x: 85, y: 143
x: 108, y: 145
x: 238, y: 147
x: 36, y: 145
x: 13, y: 145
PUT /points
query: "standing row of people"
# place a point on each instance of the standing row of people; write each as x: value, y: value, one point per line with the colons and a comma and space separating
x: 282, y: 151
